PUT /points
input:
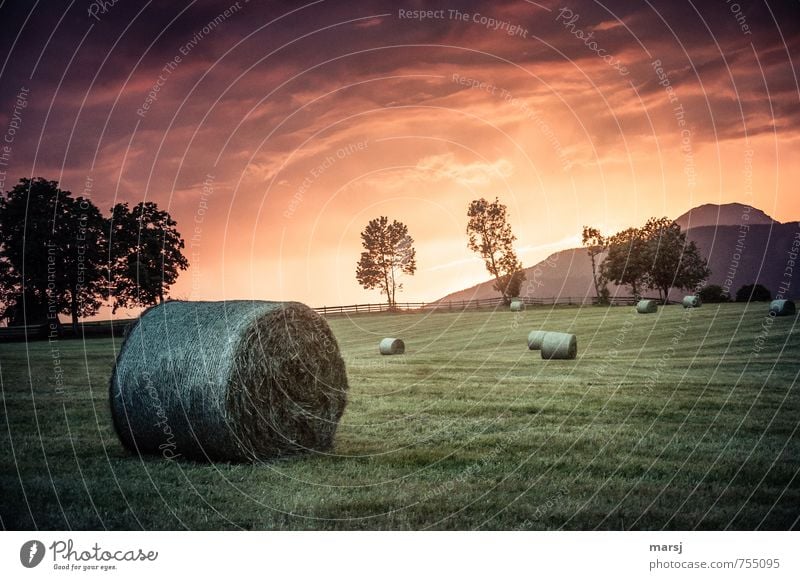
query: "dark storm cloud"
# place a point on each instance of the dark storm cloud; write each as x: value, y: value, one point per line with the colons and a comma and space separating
x: 91, y: 74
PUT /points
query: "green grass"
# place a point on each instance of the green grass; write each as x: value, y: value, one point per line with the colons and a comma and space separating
x: 467, y: 430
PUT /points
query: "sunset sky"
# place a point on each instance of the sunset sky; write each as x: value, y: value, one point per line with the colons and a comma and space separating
x: 277, y: 132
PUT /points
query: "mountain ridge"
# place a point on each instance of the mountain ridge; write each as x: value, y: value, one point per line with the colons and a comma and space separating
x: 736, y: 256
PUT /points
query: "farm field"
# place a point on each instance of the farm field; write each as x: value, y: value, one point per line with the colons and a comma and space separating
x: 683, y: 419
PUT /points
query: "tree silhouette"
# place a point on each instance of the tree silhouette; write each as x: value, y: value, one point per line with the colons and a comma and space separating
x: 53, y: 254
x: 145, y: 254
x: 626, y: 262
x: 673, y: 262
x: 388, y: 253
x: 595, y: 244
x: 489, y: 235
x: 656, y: 256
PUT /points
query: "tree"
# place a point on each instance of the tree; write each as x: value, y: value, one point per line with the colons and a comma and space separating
x: 490, y: 236
x: 712, y: 294
x: 145, y: 252
x: 52, y: 255
x: 626, y: 262
x: 656, y: 256
x: 673, y: 262
x: 389, y: 253
x: 595, y: 244
x: 753, y: 293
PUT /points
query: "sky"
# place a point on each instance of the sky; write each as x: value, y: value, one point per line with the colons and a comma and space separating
x: 274, y: 131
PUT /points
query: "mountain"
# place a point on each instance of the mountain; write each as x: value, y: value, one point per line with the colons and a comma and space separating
x: 567, y: 273
x: 729, y: 214
x: 757, y: 254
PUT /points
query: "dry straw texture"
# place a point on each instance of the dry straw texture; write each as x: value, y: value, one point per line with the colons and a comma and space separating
x: 535, y: 338
x: 392, y: 346
x: 691, y: 302
x: 517, y: 305
x: 646, y: 306
x: 230, y: 381
x: 782, y: 308
x: 559, y: 345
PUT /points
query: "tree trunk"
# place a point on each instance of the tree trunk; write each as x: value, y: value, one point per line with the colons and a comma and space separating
x: 394, y: 284
x: 387, y: 287
x: 594, y: 277
x: 74, y: 312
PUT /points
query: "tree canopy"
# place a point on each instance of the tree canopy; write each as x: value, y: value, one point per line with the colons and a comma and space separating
x: 388, y: 254
x: 673, y: 262
x: 60, y: 255
x: 656, y: 256
x: 53, y: 252
x: 490, y: 236
x: 146, y: 254
x: 626, y: 262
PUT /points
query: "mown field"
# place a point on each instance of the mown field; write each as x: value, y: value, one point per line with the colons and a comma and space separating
x: 678, y: 420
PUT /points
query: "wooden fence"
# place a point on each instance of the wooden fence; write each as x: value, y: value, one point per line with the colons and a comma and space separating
x: 117, y: 328
x: 456, y: 305
x: 99, y: 329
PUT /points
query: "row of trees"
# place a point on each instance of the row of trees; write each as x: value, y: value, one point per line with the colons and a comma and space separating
x: 656, y: 256
x: 60, y: 255
x: 389, y: 251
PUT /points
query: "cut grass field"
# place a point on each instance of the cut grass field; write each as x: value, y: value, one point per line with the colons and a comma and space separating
x: 684, y: 419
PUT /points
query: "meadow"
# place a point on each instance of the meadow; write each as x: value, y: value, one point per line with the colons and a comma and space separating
x: 684, y: 419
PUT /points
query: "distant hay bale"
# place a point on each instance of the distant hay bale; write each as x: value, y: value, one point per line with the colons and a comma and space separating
x: 392, y: 346
x: 517, y: 305
x: 782, y: 308
x: 559, y: 345
x: 535, y: 338
x: 236, y: 381
x: 646, y: 306
x: 691, y: 302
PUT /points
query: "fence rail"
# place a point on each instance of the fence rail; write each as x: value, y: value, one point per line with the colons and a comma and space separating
x: 97, y: 329
x: 456, y: 305
x: 117, y: 328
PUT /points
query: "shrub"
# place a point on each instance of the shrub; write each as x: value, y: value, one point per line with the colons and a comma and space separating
x: 753, y: 293
x: 713, y: 294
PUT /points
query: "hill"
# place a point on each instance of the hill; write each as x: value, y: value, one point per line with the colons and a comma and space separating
x: 728, y: 214
x: 737, y: 255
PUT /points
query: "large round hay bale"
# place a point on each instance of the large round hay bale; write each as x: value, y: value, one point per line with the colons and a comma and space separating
x: 559, y: 345
x: 691, y: 301
x: 535, y: 338
x: 646, y: 306
x: 392, y: 346
x: 229, y: 381
x: 782, y: 308
x: 517, y: 305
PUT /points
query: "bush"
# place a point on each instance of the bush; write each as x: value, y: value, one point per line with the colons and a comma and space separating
x: 712, y: 294
x: 753, y: 293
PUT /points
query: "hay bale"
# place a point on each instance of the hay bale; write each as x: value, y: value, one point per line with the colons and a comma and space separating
x: 535, y: 338
x: 691, y: 302
x: 782, y: 308
x: 229, y: 381
x: 559, y: 345
x: 646, y: 306
x: 392, y: 346
x: 517, y: 305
